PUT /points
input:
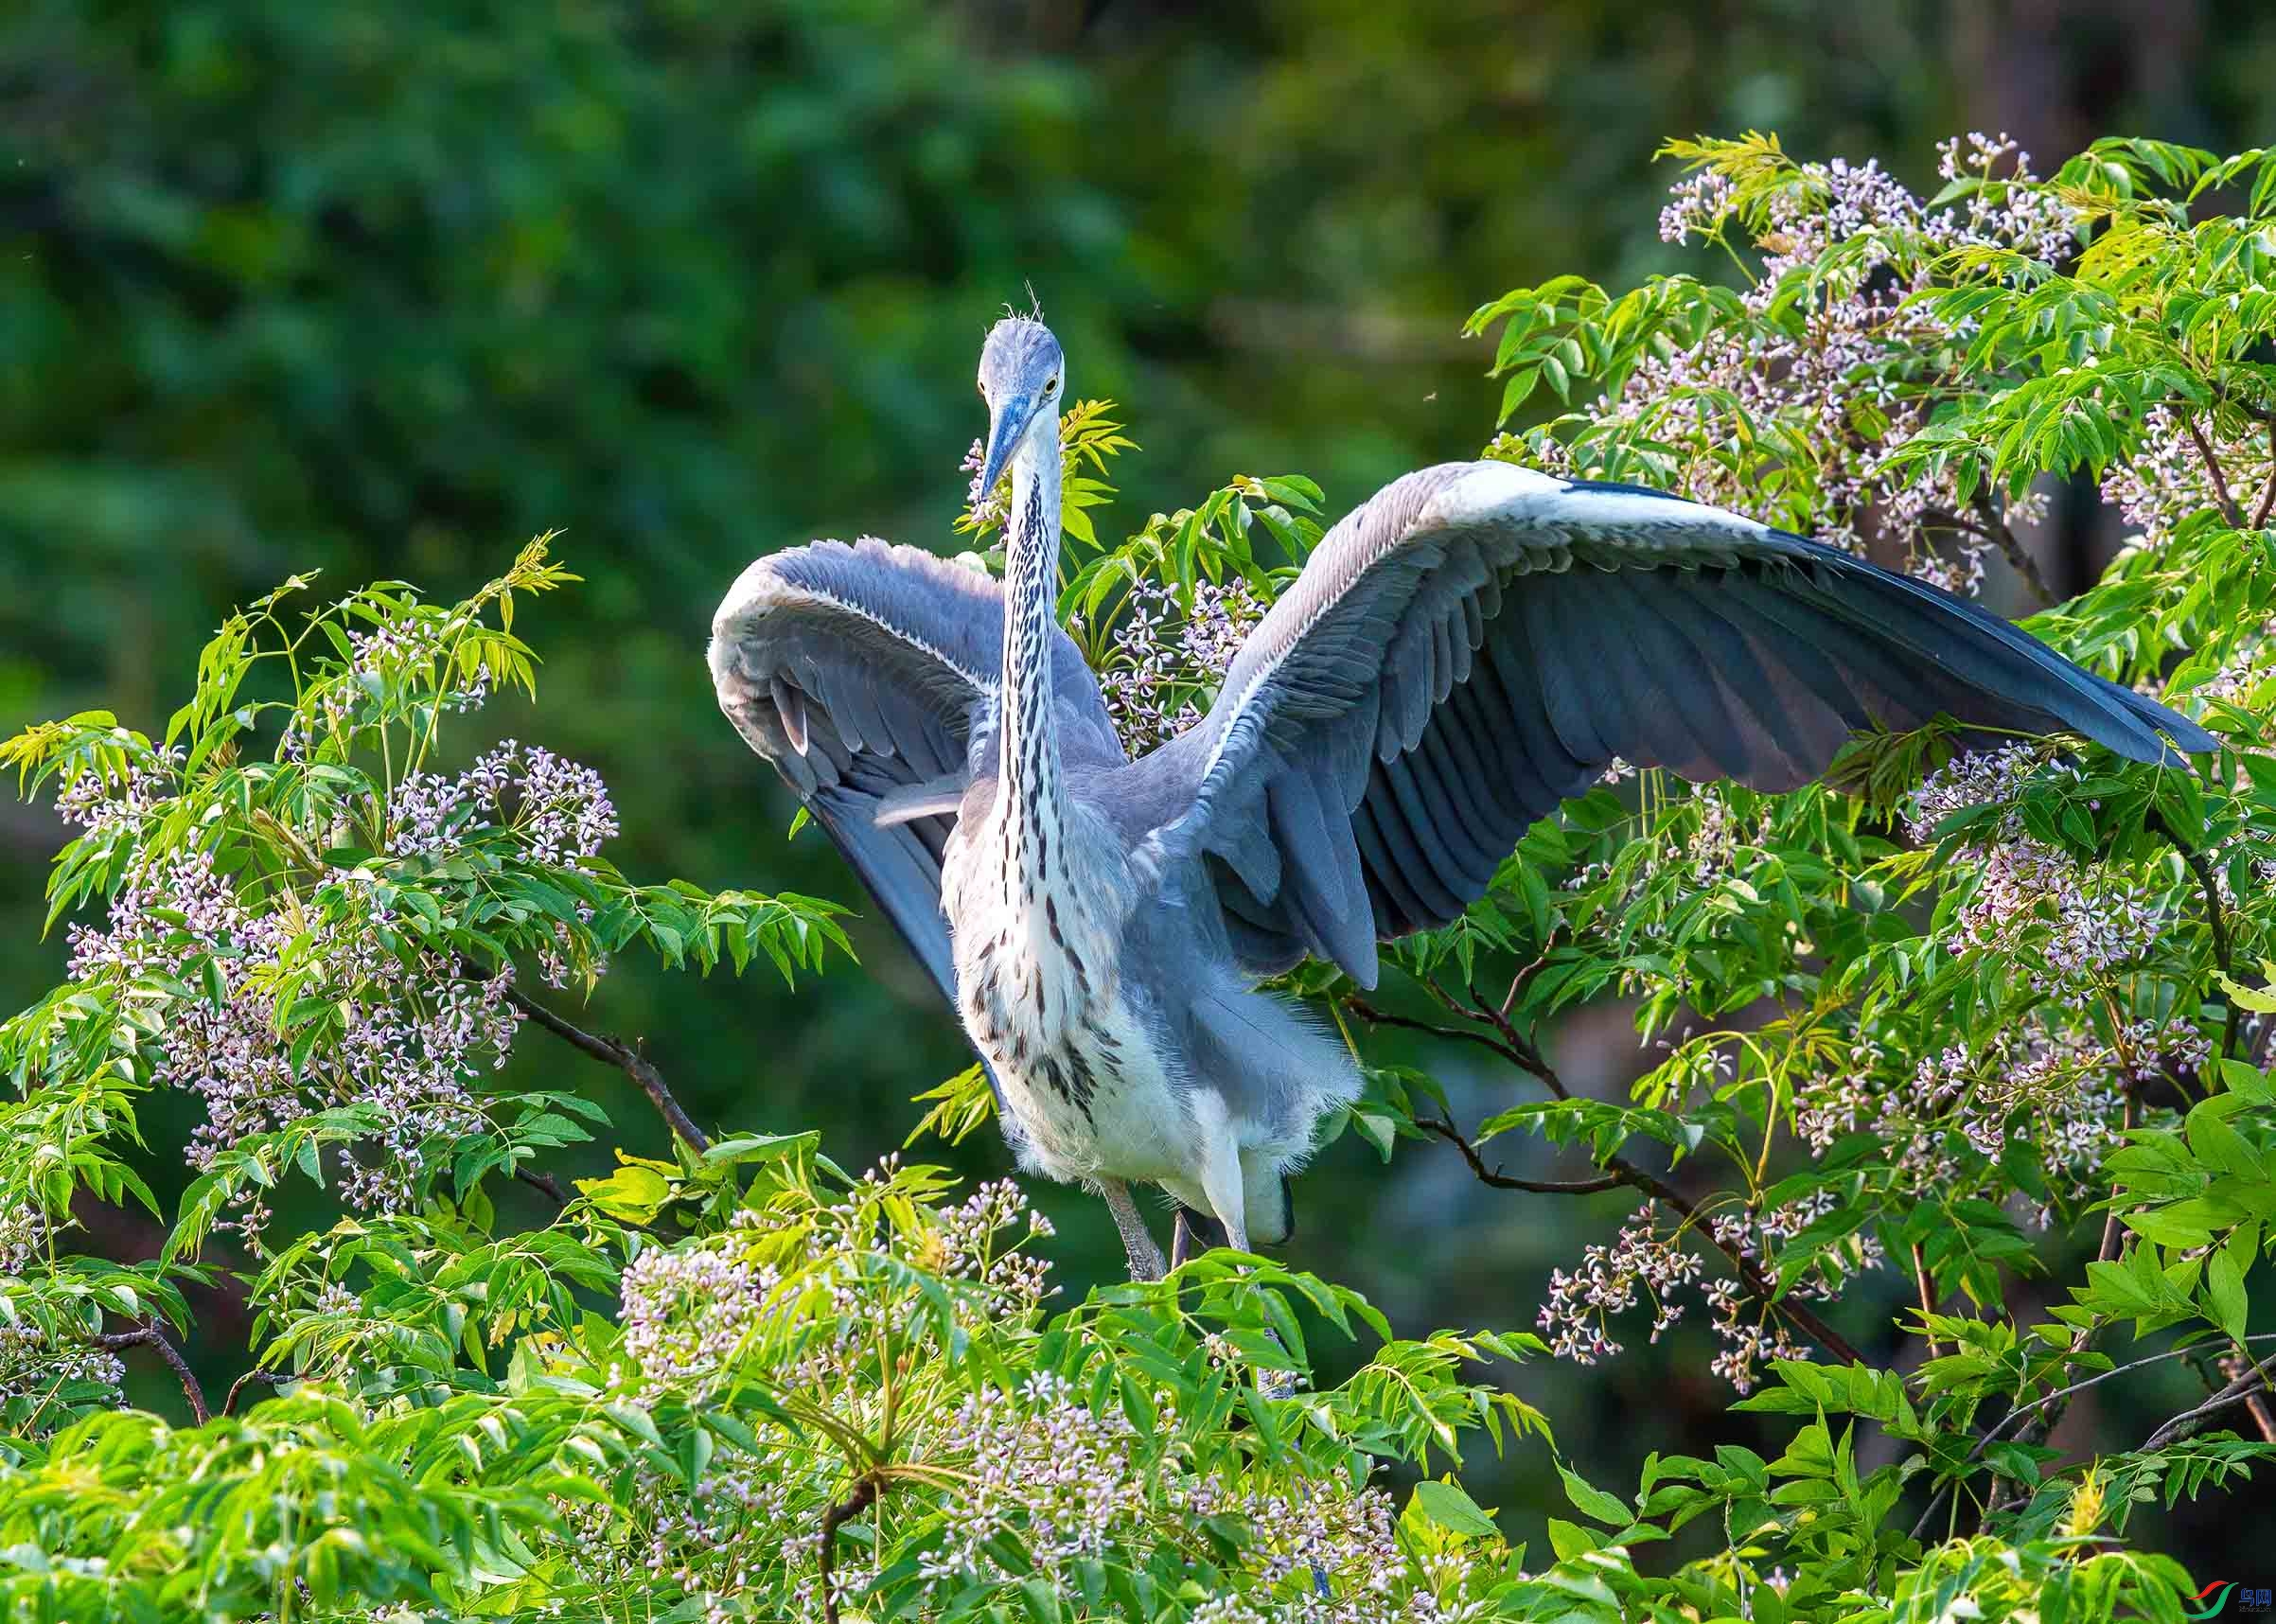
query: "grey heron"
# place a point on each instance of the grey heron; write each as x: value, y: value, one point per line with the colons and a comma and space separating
x: 1465, y: 649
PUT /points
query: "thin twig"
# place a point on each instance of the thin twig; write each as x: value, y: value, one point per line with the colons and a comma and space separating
x: 545, y: 1184
x: 1991, y: 524
x: 1928, y: 1298
x: 256, y: 1374
x: 2241, y: 1391
x: 1515, y: 1047
x: 2051, y: 1409
x: 1497, y: 1179
x: 1374, y: 1017
x: 1521, y: 1050
x: 2268, y: 491
x: 2208, y: 882
x: 2061, y: 1396
x: 863, y: 1496
x: 1523, y: 978
x: 2229, y: 511
x: 148, y: 1335
x: 2234, y: 1367
x: 626, y: 1059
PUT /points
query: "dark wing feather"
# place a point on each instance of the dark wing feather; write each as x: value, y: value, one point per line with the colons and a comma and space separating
x: 1479, y: 640
x: 861, y: 673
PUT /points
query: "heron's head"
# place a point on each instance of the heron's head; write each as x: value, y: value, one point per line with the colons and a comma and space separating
x: 1022, y: 374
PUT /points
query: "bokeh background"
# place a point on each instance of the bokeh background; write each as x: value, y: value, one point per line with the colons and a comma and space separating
x: 386, y: 289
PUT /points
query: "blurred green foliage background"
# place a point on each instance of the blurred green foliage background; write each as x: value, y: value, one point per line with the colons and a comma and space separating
x: 386, y: 289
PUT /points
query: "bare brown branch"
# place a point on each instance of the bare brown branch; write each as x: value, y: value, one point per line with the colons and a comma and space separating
x: 2236, y: 1366
x: 229, y: 1400
x: 1927, y: 1298
x: 1374, y: 1017
x: 2208, y: 882
x: 1523, y: 978
x: 2233, y: 514
x: 616, y: 1053
x: 1497, y: 1179
x: 544, y: 1184
x: 1989, y: 526
x: 2243, y: 1390
x: 150, y: 1337
x: 1520, y: 1051
x: 863, y: 1496
x: 2268, y: 491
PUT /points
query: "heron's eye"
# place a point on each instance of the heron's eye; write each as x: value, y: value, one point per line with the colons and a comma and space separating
x: 1050, y: 384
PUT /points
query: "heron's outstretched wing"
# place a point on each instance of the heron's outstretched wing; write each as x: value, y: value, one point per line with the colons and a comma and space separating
x: 862, y: 673
x: 1476, y: 643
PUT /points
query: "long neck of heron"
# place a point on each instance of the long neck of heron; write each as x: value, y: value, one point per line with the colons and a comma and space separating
x: 1030, y: 776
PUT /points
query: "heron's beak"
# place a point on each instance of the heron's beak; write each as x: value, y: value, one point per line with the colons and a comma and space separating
x: 1006, y: 424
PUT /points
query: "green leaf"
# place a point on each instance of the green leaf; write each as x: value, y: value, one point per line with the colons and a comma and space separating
x: 2224, y: 1292
x: 1593, y: 1501
x: 1447, y: 1504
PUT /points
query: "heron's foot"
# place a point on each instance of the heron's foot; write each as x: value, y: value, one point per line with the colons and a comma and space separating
x: 1194, y: 1234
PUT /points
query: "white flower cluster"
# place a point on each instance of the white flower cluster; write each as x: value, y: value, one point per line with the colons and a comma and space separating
x: 1163, y: 660
x: 1748, y: 1344
x: 412, y: 1035
x: 2066, y: 922
x: 987, y: 507
x: 1860, y: 344
x: 23, y: 1236
x: 1752, y: 1233
x: 95, y: 805
x: 1045, y: 1469
x: 410, y: 1039
x: 687, y: 1310
x: 1606, y: 1282
x: 1014, y: 1280
x: 2168, y: 476
x: 34, y: 1367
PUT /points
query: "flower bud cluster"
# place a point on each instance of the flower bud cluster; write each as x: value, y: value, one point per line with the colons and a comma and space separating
x: 1163, y: 658
x: 1843, y: 384
x: 1574, y: 1318
x: 412, y: 1033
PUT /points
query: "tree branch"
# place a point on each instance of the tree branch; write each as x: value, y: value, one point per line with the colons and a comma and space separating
x: 1374, y: 1017
x: 626, y: 1058
x: 1928, y: 1298
x: 2209, y: 883
x: 229, y: 1399
x: 544, y: 1184
x: 863, y: 1496
x: 2050, y: 1410
x: 2243, y: 1390
x: 2062, y: 1397
x: 1991, y: 525
x: 2268, y: 491
x: 148, y: 1335
x: 1516, y: 1048
x: 2229, y: 511
x: 1495, y: 1178
x: 1523, y: 978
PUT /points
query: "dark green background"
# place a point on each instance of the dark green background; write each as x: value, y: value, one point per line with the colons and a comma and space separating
x: 387, y: 289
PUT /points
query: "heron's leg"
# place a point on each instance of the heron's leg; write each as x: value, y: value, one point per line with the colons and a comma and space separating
x: 1145, y: 1256
x: 1221, y: 1181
